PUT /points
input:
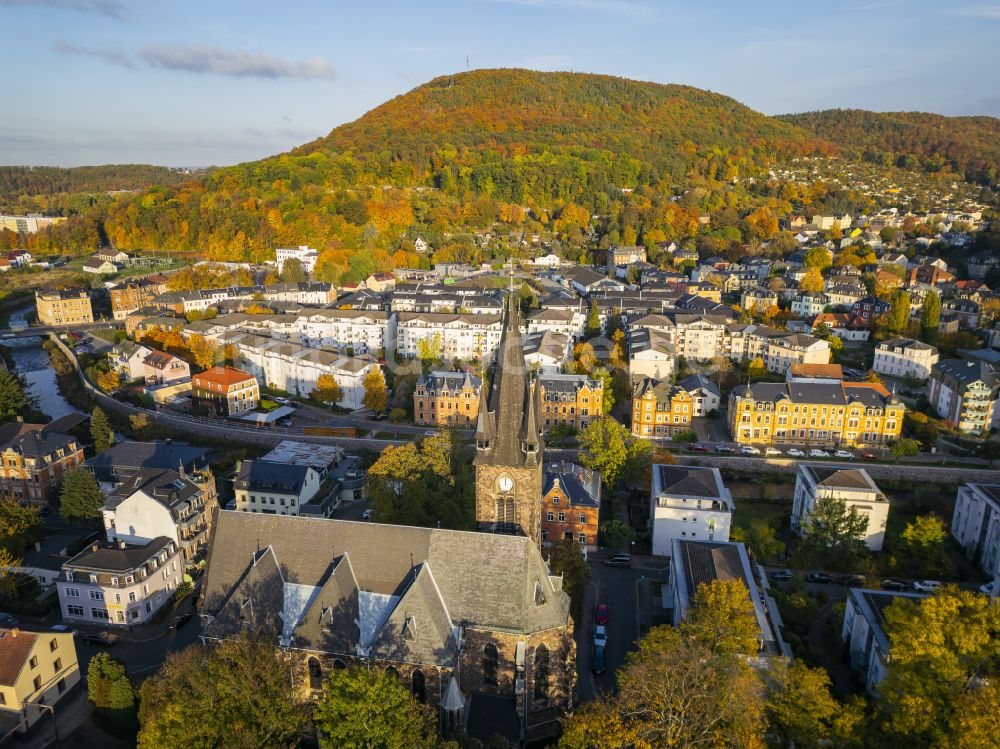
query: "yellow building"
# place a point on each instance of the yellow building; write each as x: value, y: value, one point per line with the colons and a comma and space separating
x: 446, y: 399
x: 660, y: 409
x: 36, y: 669
x: 64, y: 307
x: 570, y: 399
x: 831, y: 414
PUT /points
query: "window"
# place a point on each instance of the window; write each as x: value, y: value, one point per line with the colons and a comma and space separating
x: 99, y: 614
x: 74, y: 610
x: 562, y: 517
x: 61, y: 685
x: 96, y: 595
x: 53, y: 645
x: 418, y: 685
x: 491, y: 660
x: 582, y: 538
x: 69, y: 576
x: 131, y: 596
x: 33, y: 662
x: 129, y: 579
x: 71, y: 592
x: 550, y: 516
x: 57, y: 665
x: 37, y: 682
x: 149, y: 607
x: 315, y: 674
x: 583, y: 519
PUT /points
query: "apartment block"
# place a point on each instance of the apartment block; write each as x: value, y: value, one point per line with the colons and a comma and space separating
x: 64, y: 307
x: 815, y: 483
x: 570, y: 399
x: 660, y: 409
x: 905, y: 357
x: 688, y: 503
x: 447, y: 399
x: 226, y: 391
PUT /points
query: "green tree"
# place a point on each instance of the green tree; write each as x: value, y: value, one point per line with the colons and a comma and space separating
x: 608, y: 447
x: 922, y: 544
x: 109, y: 686
x: 930, y: 315
x: 566, y: 559
x: 602, y: 374
x: 558, y: 434
x: 292, y: 271
x: 904, y: 447
x: 762, y: 539
x: 990, y: 450
x: 101, y: 431
x: 19, y: 525
x: 803, y: 713
x: 14, y: 400
x: 617, y: 534
x: 371, y: 709
x: 327, y: 389
x: 899, y: 312
x: 721, y: 618
x: 833, y: 534
x: 685, y: 436
x: 238, y: 693
x: 592, y: 327
x: 80, y: 496
x: 817, y: 257
x: 376, y: 396
x: 429, y: 350
x: 944, y: 648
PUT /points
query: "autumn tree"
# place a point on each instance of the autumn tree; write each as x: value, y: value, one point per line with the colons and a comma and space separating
x: 756, y: 368
x: 812, y: 282
x: 722, y: 365
x: 203, y: 351
x: 818, y: 258
x: 761, y: 538
x: 327, y: 389
x: 608, y: 447
x: 803, y: 713
x: 100, y: 430
x: 292, y: 271
x: 721, y: 617
x: 376, y: 397
x: 584, y: 358
x: 922, y: 544
x: 109, y: 380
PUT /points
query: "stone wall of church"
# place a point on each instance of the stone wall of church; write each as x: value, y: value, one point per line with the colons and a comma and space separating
x: 527, y: 496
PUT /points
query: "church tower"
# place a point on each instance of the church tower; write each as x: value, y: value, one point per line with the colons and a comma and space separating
x: 509, y: 442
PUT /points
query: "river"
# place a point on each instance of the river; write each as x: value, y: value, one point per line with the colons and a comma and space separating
x: 31, y: 361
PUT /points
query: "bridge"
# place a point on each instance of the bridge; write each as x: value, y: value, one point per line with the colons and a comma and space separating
x: 38, y: 331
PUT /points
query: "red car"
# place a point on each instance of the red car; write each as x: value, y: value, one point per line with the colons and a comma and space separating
x: 868, y: 456
x: 602, y: 614
x: 694, y: 447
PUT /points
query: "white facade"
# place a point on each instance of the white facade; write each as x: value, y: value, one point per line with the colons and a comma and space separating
x: 799, y: 348
x: 854, y: 486
x: 362, y: 331
x: 128, y: 360
x: 567, y: 321
x: 862, y: 632
x: 905, y: 357
x: 688, y: 503
x: 976, y: 525
x: 458, y: 336
x: 807, y: 305
x: 303, y: 254
x: 274, y: 499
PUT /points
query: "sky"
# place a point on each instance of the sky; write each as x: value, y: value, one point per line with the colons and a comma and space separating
x: 215, y: 82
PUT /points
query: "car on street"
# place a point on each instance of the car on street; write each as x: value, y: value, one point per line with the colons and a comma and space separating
x: 431, y: 433
x: 179, y: 621
x: 601, y: 617
x: 285, y: 422
x: 282, y: 401
x: 926, y: 586
x: 65, y: 628
x: 368, y: 514
x: 817, y: 453
x: 354, y: 474
x: 819, y: 577
x: 100, y: 638
x: 796, y: 453
x: 869, y: 456
x: 987, y: 588
x: 749, y: 450
x: 769, y: 451
x: 619, y: 560
x: 599, y: 663
x: 892, y: 584
x: 851, y: 581
x: 724, y: 449
x: 600, y: 636
x: 781, y: 575
x: 843, y: 454
x: 696, y: 448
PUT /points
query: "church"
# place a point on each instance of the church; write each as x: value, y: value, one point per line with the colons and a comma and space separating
x: 471, y: 622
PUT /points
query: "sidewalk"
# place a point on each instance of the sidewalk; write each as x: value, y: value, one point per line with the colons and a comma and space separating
x: 71, y: 712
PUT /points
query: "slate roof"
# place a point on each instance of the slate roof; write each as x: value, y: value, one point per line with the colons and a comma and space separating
x: 275, y: 478
x: 698, y: 382
x: 869, y: 394
x: 133, y: 455
x: 39, y: 443
x: 831, y: 477
x: 113, y: 558
x: 965, y: 372
x: 688, y: 481
x: 485, y: 580
x: 580, y: 485
x: 165, y: 486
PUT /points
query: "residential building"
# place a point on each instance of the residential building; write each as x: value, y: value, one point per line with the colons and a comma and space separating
x: 832, y: 373
x: 870, y: 307
x: 127, y: 457
x: 380, y: 282
x: 797, y: 348
x: 967, y: 311
x: 846, y: 326
x: 303, y: 254
x: 489, y: 644
x: 34, y: 460
x: 864, y: 633
x: 688, y: 503
x: 905, y: 357
x: 37, y: 669
x: 570, y: 321
x: 65, y: 307
x: 355, y: 332
x: 975, y: 524
x: 120, y: 585
x: 466, y: 337
x: 650, y: 354
x: 129, y: 296
x: 28, y: 224
x: 226, y: 391
x: 704, y: 393
x: 964, y: 393
x: 571, y: 503
x: 275, y: 488
x: 841, y: 414
x: 99, y: 266
x: 570, y: 399
x: 546, y: 352
x: 809, y: 304
x: 128, y: 360
x: 815, y: 483
x: 148, y: 503
x: 161, y: 368
x: 758, y: 298
x: 660, y: 409
x: 625, y: 255
x: 448, y: 399
x: 695, y: 562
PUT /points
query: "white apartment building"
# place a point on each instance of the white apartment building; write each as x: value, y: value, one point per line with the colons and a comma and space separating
x: 128, y: 360
x: 360, y: 331
x: 905, y: 357
x: 975, y: 524
x: 457, y: 336
x: 864, y: 635
x: 119, y: 585
x: 295, y: 368
x: 688, y: 503
x: 650, y: 354
x: 569, y: 322
x: 965, y: 392
x: 275, y: 488
x: 303, y: 254
x: 853, y: 485
x: 546, y: 351
x: 797, y: 348
x: 808, y: 305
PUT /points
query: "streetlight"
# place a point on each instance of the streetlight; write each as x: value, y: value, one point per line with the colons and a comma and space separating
x: 43, y: 706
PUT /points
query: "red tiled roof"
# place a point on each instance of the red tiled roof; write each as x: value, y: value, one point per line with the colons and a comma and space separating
x: 225, y: 376
x: 15, y: 647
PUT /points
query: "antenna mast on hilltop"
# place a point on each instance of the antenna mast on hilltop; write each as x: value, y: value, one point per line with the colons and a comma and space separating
x: 467, y: 62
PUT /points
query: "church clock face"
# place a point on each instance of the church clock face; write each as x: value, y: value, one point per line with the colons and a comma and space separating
x: 506, y: 483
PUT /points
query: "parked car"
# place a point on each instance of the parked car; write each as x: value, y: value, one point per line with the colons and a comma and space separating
x: 600, y: 636
x: 695, y: 447
x: 769, y: 451
x: 781, y: 575
x: 817, y: 453
x: 818, y: 577
x: 869, y: 456
x: 65, y: 628
x: 431, y: 433
x: 368, y: 514
x: 749, y: 450
x: 285, y: 422
x: 179, y: 621
x: 619, y: 560
x: 599, y: 662
x: 851, y: 581
x: 724, y: 449
x: 987, y: 588
x: 893, y: 585
x: 796, y: 453
x: 601, y: 617
x: 100, y: 638
x: 282, y: 401
x: 6, y: 620
x: 843, y: 454
x: 926, y: 586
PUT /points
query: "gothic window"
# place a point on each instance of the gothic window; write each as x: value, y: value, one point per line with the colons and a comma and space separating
x: 506, y: 514
x: 491, y: 660
x: 339, y: 664
x: 541, y: 673
x: 419, y: 686
x: 392, y: 671
x: 315, y: 674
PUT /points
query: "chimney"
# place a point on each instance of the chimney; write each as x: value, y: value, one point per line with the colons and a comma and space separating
x: 94, y: 547
x: 20, y: 419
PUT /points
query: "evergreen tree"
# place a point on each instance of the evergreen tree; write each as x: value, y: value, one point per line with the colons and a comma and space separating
x: 833, y: 534
x: 930, y: 314
x: 592, y: 327
x: 899, y: 312
x: 80, y: 497
x: 101, y: 431
x: 14, y: 400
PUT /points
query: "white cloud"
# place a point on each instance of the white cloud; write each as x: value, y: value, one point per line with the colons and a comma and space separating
x: 206, y: 58
x: 113, y: 8
x: 112, y: 56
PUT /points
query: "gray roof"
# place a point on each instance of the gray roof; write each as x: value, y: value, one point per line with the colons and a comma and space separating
x: 581, y: 486
x: 133, y: 455
x: 965, y: 372
x: 39, y: 442
x: 167, y: 487
x: 277, y: 478
x: 822, y: 393
x: 687, y: 481
x: 906, y: 343
x: 832, y: 477
x: 698, y: 382
x: 114, y: 558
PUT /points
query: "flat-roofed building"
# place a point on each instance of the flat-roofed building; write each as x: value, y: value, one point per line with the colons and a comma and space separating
x: 863, y: 632
x: 816, y: 483
x: 688, y: 503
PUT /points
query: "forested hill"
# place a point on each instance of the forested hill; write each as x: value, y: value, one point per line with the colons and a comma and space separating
x: 17, y: 182
x: 968, y: 146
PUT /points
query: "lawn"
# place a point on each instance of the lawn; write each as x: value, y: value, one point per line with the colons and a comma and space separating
x: 772, y: 513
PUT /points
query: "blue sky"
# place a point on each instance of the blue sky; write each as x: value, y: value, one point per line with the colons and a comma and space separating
x: 217, y: 82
